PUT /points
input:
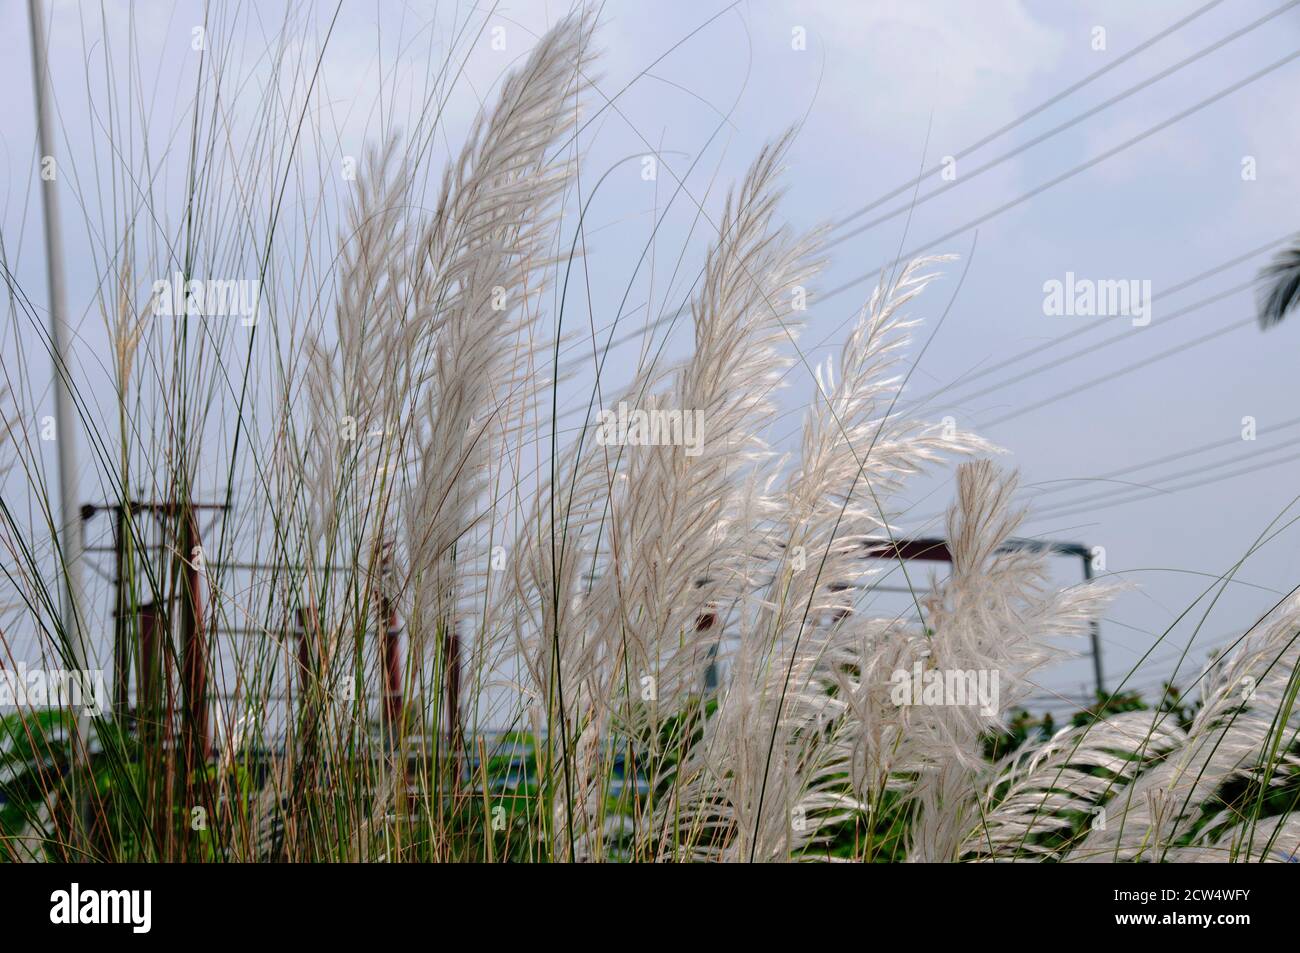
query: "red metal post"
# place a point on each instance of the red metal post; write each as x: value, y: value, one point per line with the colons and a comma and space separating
x: 451, y: 660
x: 390, y: 653
x: 121, y: 648
x: 151, y: 712
x: 307, y: 653
x: 194, y: 656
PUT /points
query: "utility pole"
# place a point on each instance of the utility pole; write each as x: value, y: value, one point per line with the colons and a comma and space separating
x: 121, y: 624
x: 936, y: 550
x: 390, y: 655
x: 390, y: 652
x: 194, y: 650
x: 1094, y: 632
x: 69, y: 510
x: 159, y: 695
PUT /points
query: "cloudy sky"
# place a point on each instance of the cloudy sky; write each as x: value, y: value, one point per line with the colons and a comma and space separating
x: 1113, y: 141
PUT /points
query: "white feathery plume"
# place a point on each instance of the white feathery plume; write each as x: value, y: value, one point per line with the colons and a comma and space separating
x: 432, y: 325
x: 1248, y: 707
x: 856, y: 455
x: 994, y: 616
x: 356, y: 387
x: 737, y: 316
x: 486, y: 251
x: 1274, y: 840
x: 681, y: 529
x: 1038, y: 793
x: 745, y: 323
x: 767, y: 779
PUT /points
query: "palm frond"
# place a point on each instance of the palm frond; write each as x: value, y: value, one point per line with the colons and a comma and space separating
x: 1279, y: 286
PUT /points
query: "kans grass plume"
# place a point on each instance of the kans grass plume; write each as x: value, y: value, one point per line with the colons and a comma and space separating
x: 680, y: 643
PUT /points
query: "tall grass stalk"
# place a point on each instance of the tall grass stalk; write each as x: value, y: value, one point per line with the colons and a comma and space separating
x: 375, y: 604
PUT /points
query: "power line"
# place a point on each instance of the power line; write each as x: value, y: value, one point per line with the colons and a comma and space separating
x: 1070, y: 173
x: 1087, y: 385
x: 1170, y: 352
x: 998, y: 133
x: 1046, y: 104
x: 1058, y: 129
x: 1169, y: 458
x: 1156, y: 489
x: 1092, y: 348
x: 1100, y: 322
x: 1025, y: 197
x: 1073, y: 507
x: 1120, y: 372
x: 1038, y: 348
x: 1072, y: 391
x: 1006, y: 206
x: 1158, y: 461
x: 1254, y: 468
x: 1066, y: 507
x: 918, y: 402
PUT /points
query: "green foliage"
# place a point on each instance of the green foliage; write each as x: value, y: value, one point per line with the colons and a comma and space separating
x: 35, y: 752
x: 500, y: 808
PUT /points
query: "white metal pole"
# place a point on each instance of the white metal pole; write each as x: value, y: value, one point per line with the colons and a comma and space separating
x: 60, y: 334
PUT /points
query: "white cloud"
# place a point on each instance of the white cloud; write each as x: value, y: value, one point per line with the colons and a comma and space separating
x: 974, y: 65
